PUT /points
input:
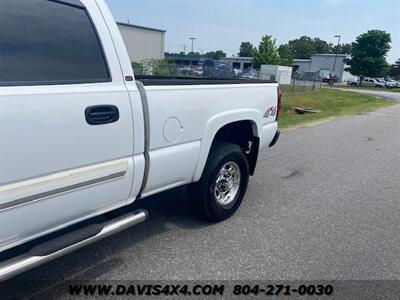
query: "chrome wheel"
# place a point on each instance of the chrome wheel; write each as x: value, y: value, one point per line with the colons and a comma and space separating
x: 227, y: 183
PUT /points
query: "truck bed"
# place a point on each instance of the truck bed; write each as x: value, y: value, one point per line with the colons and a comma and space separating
x: 149, y: 80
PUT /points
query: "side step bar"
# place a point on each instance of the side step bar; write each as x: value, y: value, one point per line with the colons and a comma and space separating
x: 68, y: 243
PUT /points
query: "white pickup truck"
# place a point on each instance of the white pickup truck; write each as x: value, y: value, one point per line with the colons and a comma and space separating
x: 81, y: 136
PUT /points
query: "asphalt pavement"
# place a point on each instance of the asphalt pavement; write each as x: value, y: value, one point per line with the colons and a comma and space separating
x: 383, y: 94
x: 324, y: 204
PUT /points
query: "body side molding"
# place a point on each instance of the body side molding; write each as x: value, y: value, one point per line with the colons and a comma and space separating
x: 27, y: 191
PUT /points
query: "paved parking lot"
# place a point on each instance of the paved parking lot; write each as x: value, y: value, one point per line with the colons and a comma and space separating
x: 324, y: 204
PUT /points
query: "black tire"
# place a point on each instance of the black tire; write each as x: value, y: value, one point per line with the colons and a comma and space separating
x: 201, y: 193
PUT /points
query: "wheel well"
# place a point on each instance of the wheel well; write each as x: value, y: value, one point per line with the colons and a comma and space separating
x: 244, y: 134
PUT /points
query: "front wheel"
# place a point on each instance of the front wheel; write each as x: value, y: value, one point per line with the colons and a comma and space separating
x: 223, y: 184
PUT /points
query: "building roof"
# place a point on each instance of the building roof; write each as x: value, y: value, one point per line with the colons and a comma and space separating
x: 320, y: 54
x: 237, y: 58
x: 141, y: 27
x: 186, y: 58
x: 330, y: 54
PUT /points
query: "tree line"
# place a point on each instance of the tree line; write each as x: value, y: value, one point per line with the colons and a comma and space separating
x: 301, y: 48
x: 367, y: 53
x: 212, y: 54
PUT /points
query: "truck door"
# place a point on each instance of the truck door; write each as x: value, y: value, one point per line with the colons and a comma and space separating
x: 66, y: 134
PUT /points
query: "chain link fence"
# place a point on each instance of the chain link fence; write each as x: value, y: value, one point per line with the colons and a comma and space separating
x: 302, y: 81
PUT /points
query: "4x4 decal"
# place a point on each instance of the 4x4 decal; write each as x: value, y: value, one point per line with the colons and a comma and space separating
x: 271, y: 111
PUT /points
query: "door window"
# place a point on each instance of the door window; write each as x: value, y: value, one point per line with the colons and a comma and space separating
x: 49, y: 42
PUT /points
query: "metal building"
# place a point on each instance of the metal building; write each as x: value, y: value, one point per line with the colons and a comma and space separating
x: 239, y: 63
x: 325, y: 64
x: 143, y: 42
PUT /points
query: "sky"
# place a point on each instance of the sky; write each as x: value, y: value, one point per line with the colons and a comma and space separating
x: 224, y: 24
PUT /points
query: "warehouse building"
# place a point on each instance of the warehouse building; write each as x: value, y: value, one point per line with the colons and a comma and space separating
x: 143, y: 42
x: 324, y: 64
x: 239, y: 63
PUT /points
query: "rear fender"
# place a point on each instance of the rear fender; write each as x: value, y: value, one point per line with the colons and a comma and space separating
x: 215, y: 124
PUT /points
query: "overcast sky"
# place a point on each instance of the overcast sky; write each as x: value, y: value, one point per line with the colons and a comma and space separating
x: 224, y: 24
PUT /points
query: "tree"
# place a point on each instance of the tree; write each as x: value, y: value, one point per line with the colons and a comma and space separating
x: 173, y: 54
x: 303, y: 47
x: 138, y: 68
x: 342, y: 49
x: 246, y: 49
x: 306, y: 46
x: 215, y: 54
x: 322, y: 46
x: 369, y: 54
x: 286, y: 55
x: 194, y: 54
x: 267, y: 52
x: 395, y: 69
x: 160, y: 67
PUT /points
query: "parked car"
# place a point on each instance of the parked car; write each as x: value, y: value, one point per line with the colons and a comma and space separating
x: 330, y: 79
x: 250, y: 76
x: 371, y: 82
x: 250, y: 73
x: 81, y: 135
x: 218, y: 70
x: 385, y: 83
x: 353, y: 82
x: 197, y: 70
x: 390, y: 83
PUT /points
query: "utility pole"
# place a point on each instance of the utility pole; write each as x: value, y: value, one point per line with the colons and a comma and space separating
x: 192, y: 38
x: 336, y: 54
x: 332, y: 76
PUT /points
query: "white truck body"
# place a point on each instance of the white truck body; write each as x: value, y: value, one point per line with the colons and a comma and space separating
x: 57, y: 170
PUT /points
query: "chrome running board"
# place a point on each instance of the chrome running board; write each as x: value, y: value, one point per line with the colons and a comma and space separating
x: 54, y: 249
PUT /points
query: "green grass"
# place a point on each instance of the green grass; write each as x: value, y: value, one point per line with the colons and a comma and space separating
x: 331, y: 103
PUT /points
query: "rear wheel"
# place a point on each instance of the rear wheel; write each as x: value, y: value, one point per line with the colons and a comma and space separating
x: 223, y: 184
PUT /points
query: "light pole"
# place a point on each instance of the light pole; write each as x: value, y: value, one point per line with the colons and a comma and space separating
x: 192, y: 38
x: 336, y: 54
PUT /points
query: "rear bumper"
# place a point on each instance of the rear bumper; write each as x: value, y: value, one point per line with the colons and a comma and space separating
x: 275, y: 139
